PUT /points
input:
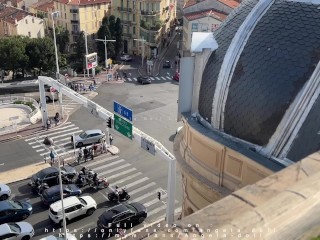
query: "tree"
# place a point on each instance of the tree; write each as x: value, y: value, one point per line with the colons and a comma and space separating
x: 12, y: 53
x: 77, y: 58
x: 101, y: 34
x: 41, y: 54
x: 62, y: 37
x: 118, y: 36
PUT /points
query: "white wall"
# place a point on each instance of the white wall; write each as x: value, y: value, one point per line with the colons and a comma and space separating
x: 205, y: 24
x: 32, y: 25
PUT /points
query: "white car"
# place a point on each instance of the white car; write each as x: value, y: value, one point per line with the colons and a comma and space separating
x: 5, y: 192
x: 126, y: 58
x: 17, y: 231
x: 73, y: 208
x: 60, y: 236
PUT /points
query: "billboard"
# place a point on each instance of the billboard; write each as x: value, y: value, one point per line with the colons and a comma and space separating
x: 91, y: 60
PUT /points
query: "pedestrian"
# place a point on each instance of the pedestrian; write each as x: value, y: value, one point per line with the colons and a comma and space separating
x: 101, y: 147
x: 110, y: 139
x: 85, y: 153
x: 48, y: 123
x: 52, y: 157
x: 94, y: 148
x: 104, y: 146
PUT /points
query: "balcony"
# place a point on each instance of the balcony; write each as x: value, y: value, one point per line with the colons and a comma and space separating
x: 124, y: 22
x: 155, y: 26
x: 122, y: 9
x: 127, y: 35
x: 150, y: 13
x: 74, y: 10
x: 150, y: 36
x: 74, y: 21
x: 75, y: 32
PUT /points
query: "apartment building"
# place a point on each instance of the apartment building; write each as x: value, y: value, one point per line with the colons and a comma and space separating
x: 81, y: 15
x: 150, y: 20
x: 14, y: 21
x: 43, y: 9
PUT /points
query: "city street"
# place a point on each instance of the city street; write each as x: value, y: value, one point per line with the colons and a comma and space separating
x: 154, y: 109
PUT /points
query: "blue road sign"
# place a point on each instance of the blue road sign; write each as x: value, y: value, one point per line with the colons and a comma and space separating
x: 122, y: 110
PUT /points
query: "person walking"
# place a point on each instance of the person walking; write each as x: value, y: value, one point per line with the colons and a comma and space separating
x: 85, y: 153
x: 104, y: 146
x: 48, y: 123
x: 52, y: 157
x: 110, y: 139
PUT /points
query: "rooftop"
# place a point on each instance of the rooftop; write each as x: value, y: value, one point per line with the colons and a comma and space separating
x: 11, y: 15
x: 43, y: 5
x: 206, y: 13
x: 83, y: 2
x: 230, y: 3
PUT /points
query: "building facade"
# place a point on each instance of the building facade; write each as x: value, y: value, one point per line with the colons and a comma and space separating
x: 14, y: 21
x: 250, y: 108
x: 81, y: 15
x: 43, y: 9
x: 150, y: 20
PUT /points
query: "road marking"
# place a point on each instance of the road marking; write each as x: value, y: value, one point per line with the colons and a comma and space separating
x: 102, y: 160
x: 156, y: 210
x: 152, y: 78
x: 55, y: 133
x: 147, y: 204
x: 168, y: 77
x: 45, y: 131
x: 108, y: 165
x: 58, y: 150
x: 127, y: 178
x: 154, y: 192
x: 129, y: 79
x: 122, y: 173
x: 142, y: 188
x: 1, y: 164
x: 114, y: 169
x: 157, y: 78
x: 137, y: 182
x: 135, y: 79
x: 163, y: 78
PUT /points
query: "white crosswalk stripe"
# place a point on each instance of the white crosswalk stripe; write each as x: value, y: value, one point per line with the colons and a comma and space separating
x: 129, y: 79
x: 140, y: 188
x: 157, y: 78
x: 152, y: 78
x: 134, y: 79
x: 163, y: 78
x: 169, y: 78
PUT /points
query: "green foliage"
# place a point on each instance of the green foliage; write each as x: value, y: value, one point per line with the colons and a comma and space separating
x: 41, y: 54
x: 29, y: 104
x: 62, y: 37
x: 111, y: 28
x: 12, y: 53
x: 98, y: 69
x: 77, y: 58
x: 155, y: 26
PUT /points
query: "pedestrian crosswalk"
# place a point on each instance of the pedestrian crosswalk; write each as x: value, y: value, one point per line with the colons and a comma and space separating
x: 160, y: 78
x: 141, y: 189
x: 62, y: 141
x: 117, y: 170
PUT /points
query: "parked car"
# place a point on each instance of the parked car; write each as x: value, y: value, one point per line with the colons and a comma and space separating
x: 74, y: 207
x: 122, y: 216
x: 144, y: 79
x: 5, y: 192
x: 176, y: 76
x: 166, y: 64
x: 50, y: 175
x: 16, y: 231
x: 88, y: 137
x: 13, y: 211
x: 52, y: 194
x: 60, y: 236
x: 126, y: 58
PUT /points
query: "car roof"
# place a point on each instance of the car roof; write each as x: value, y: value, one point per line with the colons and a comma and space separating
x: 5, y: 205
x: 167, y: 61
x: 93, y: 131
x: 54, y: 189
x: 4, y: 229
x: 112, y: 212
x: 49, y: 170
x: 57, y: 206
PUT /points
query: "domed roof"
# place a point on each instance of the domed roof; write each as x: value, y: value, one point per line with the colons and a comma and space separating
x: 262, y: 84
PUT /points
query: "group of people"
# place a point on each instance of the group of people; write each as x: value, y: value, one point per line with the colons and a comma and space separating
x: 56, y: 120
x: 80, y: 87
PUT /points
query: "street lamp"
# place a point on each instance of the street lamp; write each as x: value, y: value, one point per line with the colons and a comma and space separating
x: 105, y: 48
x: 143, y: 42
x: 55, y: 14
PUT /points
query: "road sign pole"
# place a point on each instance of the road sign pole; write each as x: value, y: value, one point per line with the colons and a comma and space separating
x: 171, y: 192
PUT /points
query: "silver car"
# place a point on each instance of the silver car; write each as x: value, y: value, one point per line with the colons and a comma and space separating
x: 88, y: 137
x: 126, y: 58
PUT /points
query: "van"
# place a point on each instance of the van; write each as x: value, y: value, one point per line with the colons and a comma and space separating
x: 73, y: 207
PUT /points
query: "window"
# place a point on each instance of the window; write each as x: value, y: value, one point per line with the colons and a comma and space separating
x: 65, y: 16
x: 32, y: 20
x: 79, y: 206
x: 69, y: 210
x: 64, y: 7
x: 134, y: 30
x: 29, y: 34
x: 26, y: 21
x: 99, y: 6
x: 75, y: 38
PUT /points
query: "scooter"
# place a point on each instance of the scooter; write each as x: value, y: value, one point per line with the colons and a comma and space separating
x: 100, y: 183
x: 124, y: 196
x: 39, y: 188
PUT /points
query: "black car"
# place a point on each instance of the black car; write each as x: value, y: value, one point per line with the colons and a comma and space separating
x: 166, y: 64
x: 144, y: 79
x: 52, y: 194
x: 122, y: 216
x: 50, y: 175
x: 14, y: 211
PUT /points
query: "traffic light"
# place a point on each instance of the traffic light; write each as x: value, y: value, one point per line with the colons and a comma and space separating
x: 159, y: 195
x: 109, y: 122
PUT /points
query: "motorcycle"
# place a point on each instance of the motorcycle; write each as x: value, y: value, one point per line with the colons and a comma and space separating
x: 123, y: 196
x: 48, y: 141
x: 39, y: 188
x: 100, y: 183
